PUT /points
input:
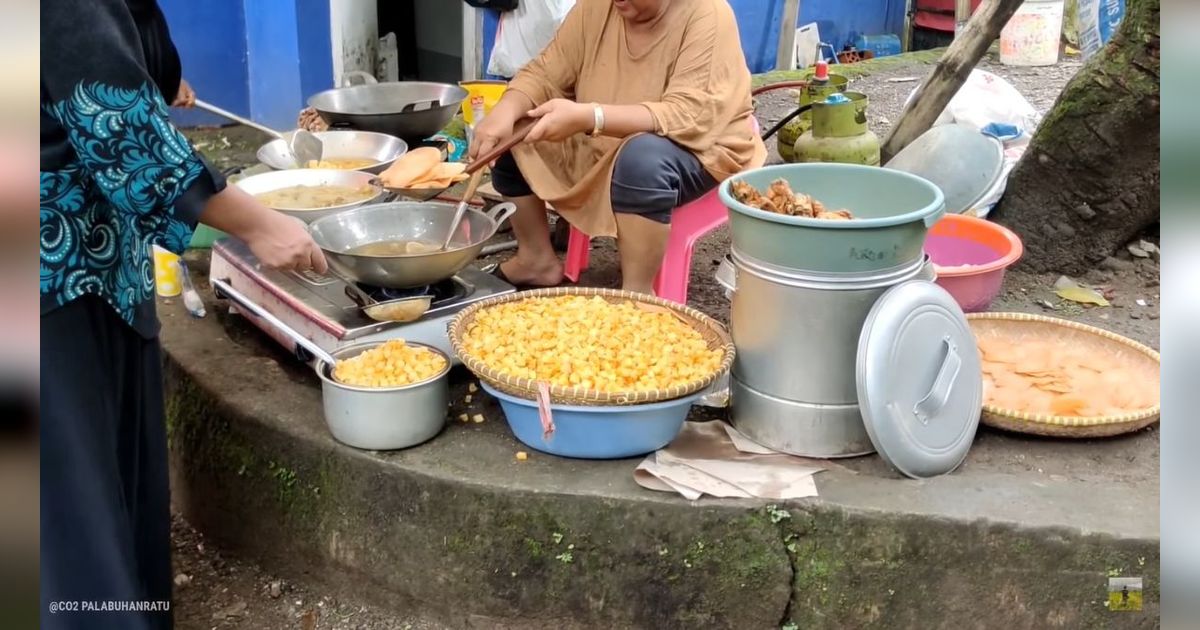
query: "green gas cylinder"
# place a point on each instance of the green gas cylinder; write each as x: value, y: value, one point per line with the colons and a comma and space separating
x: 822, y: 85
x: 839, y: 132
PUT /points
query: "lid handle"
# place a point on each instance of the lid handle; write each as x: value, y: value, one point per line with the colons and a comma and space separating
x: 932, y: 403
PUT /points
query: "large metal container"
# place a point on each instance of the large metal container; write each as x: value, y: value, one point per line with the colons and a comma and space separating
x: 893, y: 213
x: 793, y: 385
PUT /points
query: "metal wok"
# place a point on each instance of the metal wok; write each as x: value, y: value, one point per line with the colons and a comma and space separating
x: 411, y: 110
x: 341, y: 144
x: 427, y: 223
x: 274, y: 180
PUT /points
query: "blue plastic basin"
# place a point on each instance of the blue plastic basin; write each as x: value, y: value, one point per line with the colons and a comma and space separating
x: 597, y: 432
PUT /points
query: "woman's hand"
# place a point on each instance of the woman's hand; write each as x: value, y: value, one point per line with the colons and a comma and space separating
x: 186, y: 96
x: 559, y: 119
x: 283, y: 242
x: 495, y: 128
x: 277, y: 240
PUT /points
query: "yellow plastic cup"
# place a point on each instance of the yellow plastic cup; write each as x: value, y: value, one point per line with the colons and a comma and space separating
x: 482, y: 96
x: 167, y: 281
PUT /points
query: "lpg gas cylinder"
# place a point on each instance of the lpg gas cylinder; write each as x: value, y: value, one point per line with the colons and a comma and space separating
x: 839, y: 132
x: 820, y: 86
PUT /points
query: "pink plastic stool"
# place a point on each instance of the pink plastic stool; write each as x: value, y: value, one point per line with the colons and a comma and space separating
x: 689, y: 223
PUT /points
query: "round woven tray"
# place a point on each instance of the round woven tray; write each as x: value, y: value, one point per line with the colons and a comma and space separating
x: 712, y: 331
x: 1022, y: 326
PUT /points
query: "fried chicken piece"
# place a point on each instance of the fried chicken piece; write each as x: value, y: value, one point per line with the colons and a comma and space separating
x: 747, y: 194
x: 310, y: 120
x: 806, y: 206
x: 780, y: 199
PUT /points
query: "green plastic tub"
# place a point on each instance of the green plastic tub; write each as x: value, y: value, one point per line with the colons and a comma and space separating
x: 204, y: 236
x: 892, y: 210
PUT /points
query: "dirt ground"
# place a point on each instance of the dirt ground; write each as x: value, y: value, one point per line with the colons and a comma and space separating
x: 214, y: 591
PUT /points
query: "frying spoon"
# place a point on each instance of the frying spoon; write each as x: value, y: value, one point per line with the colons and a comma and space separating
x: 403, y: 310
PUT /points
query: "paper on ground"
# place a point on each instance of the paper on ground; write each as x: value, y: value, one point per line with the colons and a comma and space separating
x: 712, y: 458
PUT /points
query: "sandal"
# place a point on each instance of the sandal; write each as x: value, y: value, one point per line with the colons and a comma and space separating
x: 495, y: 271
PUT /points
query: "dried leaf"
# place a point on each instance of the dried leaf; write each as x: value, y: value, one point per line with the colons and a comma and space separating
x: 1082, y: 295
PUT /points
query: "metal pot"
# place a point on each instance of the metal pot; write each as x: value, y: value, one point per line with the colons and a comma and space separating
x: 343, y: 232
x: 411, y: 110
x: 383, y: 419
x: 274, y: 180
x: 375, y: 418
x: 341, y: 144
x: 793, y: 383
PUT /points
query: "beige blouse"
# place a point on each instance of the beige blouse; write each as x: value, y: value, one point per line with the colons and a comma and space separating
x: 693, y: 77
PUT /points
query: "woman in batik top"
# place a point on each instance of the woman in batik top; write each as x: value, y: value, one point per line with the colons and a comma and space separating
x: 117, y: 178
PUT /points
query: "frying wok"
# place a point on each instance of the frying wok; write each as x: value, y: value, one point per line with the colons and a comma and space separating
x: 411, y: 110
x: 427, y: 223
x: 341, y: 144
x: 274, y: 180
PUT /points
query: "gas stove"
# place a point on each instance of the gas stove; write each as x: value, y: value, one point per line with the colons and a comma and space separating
x: 319, y: 307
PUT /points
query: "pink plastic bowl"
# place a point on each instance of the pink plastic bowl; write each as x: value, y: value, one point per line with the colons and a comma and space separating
x: 970, y: 255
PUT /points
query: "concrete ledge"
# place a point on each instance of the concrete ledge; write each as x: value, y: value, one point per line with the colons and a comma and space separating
x: 460, y: 531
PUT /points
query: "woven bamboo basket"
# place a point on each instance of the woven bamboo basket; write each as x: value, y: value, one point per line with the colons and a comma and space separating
x: 712, y: 331
x: 1022, y: 326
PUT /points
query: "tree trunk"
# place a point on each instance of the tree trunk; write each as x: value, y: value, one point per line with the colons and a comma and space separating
x: 1088, y: 182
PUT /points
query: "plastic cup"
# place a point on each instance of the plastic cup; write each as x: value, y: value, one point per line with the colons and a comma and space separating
x: 167, y: 279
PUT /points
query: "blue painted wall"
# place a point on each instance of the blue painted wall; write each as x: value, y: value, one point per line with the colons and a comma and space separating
x: 316, y: 57
x: 257, y: 58
x: 211, y: 38
x: 839, y: 22
x: 273, y: 50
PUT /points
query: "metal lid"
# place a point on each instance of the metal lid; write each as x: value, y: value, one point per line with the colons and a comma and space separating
x: 965, y: 180
x: 920, y: 385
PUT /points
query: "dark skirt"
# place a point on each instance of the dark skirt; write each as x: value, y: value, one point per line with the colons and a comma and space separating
x: 105, y: 512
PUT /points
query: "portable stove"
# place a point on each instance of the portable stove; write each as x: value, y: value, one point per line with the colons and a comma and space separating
x: 319, y: 308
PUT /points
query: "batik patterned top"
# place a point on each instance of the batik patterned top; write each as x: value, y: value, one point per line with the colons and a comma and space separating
x: 116, y: 176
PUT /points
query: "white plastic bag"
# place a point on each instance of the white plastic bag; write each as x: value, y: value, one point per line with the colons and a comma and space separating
x: 987, y: 99
x: 524, y: 32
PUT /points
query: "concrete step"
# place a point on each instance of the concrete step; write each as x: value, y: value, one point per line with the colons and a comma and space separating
x: 460, y: 530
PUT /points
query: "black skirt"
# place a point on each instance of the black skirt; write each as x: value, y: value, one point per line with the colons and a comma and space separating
x: 105, y: 511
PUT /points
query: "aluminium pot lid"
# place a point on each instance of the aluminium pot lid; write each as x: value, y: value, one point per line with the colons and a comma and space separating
x: 919, y: 379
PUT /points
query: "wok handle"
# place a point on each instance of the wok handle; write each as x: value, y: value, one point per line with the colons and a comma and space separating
x: 501, y: 212
x: 408, y: 108
x: 224, y: 288
x: 520, y: 130
x: 367, y: 78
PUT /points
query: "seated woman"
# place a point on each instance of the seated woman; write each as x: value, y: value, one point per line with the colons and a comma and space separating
x: 641, y: 106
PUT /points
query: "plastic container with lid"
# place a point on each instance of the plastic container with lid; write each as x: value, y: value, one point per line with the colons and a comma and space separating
x: 1033, y: 34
